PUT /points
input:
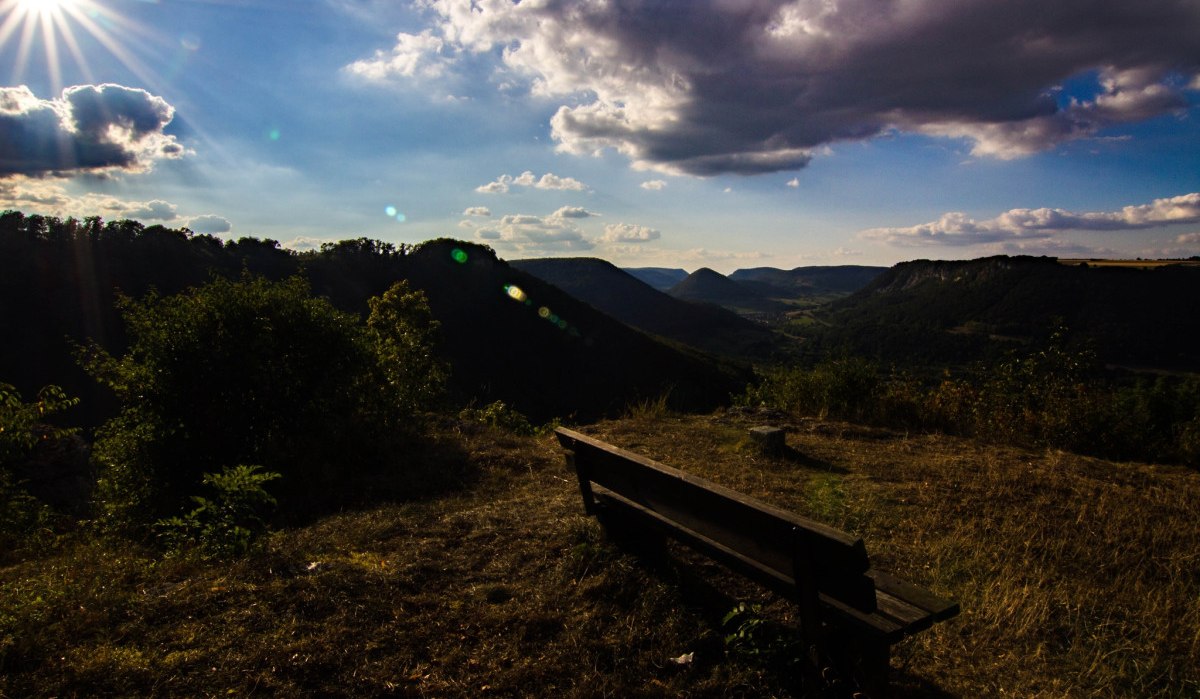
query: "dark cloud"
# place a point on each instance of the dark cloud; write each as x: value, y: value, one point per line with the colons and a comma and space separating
x: 754, y: 86
x: 89, y: 128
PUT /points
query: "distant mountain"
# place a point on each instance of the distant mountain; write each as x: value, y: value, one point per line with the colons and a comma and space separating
x: 626, y: 298
x: 707, y: 286
x: 937, y: 312
x: 546, y: 352
x: 661, y: 278
x: 807, y: 281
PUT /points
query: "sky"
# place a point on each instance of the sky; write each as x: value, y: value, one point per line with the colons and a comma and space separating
x: 678, y: 133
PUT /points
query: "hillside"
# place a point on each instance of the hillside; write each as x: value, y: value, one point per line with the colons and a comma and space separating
x: 1076, y: 577
x: 937, y: 311
x: 807, y: 281
x: 635, y: 303
x: 547, y: 353
x: 708, y: 286
x: 59, y: 282
x: 661, y: 278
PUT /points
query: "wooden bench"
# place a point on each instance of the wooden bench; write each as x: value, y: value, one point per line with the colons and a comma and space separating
x: 851, y: 614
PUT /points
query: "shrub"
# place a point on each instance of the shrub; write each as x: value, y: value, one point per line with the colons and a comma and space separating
x: 22, y: 427
x: 230, y: 523
x: 499, y: 415
x: 258, y: 372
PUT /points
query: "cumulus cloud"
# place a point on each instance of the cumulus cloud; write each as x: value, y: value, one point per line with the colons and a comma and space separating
x: 532, y: 235
x: 549, y: 180
x: 629, y: 233
x: 421, y: 55
x: 305, y: 243
x: 210, y: 224
x: 956, y: 228
x: 477, y: 211
x: 50, y: 198
x: 763, y: 85
x: 654, y: 185
x: 156, y: 210
x: 794, y: 182
x: 89, y: 128
x: 572, y: 212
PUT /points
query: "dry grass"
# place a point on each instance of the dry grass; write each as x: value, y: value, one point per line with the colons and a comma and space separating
x: 1077, y: 577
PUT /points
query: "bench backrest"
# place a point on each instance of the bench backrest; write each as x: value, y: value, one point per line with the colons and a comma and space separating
x: 781, y: 549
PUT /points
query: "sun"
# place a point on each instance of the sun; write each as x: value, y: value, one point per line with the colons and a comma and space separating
x: 53, y: 24
x: 43, y: 7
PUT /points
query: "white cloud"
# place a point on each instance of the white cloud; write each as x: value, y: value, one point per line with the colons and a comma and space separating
x: 156, y: 210
x: 527, y: 234
x: 306, y: 243
x: 803, y: 74
x: 477, y: 211
x: 1189, y: 239
x: 210, y: 224
x: 629, y: 233
x: 499, y: 186
x: 794, y: 182
x: 414, y: 55
x: 956, y: 228
x: 50, y: 198
x: 654, y: 185
x: 846, y: 252
x: 88, y: 129
x: 572, y: 212
x: 549, y: 180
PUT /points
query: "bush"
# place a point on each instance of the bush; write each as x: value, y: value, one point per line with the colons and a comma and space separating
x: 22, y: 427
x: 259, y: 372
x: 231, y: 523
x: 1051, y: 397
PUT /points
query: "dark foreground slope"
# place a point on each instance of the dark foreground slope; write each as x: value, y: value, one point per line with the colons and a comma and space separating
x: 936, y: 311
x: 633, y: 302
x: 1076, y: 577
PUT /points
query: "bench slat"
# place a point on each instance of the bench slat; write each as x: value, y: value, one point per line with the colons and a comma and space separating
x: 755, y: 529
x: 879, y: 625
x: 938, y: 607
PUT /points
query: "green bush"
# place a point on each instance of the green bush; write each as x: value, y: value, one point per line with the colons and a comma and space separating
x: 1049, y: 397
x: 501, y: 416
x: 259, y: 372
x: 844, y: 388
x: 231, y: 523
x: 23, y: 518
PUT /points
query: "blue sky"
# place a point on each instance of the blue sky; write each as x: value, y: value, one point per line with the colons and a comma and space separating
x: 722, y: 134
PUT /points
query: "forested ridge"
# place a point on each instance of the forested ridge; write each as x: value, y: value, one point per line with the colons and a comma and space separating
x: 60, y: 280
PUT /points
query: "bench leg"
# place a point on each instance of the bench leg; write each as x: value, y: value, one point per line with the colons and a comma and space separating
x: 631, y: 535
x: 874, y: 666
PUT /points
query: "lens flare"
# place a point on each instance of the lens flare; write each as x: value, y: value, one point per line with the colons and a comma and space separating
x: 459, y: 255
x: 514, y: 292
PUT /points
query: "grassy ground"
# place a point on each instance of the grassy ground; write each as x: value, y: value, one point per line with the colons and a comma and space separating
x: 1077, y: 577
